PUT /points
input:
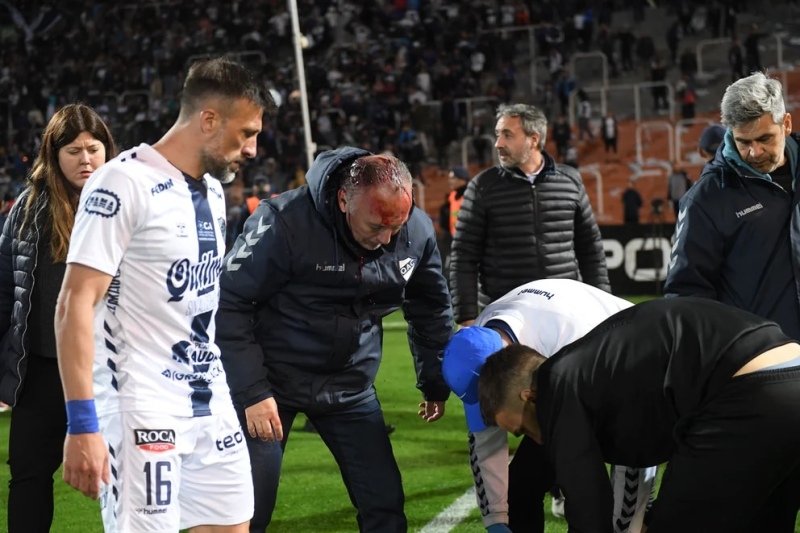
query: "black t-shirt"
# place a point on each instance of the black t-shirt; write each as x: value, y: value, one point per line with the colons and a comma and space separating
x: 624, y: 391
x: 783, y: 176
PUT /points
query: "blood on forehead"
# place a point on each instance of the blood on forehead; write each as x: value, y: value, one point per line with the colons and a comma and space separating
x: 389, y: 205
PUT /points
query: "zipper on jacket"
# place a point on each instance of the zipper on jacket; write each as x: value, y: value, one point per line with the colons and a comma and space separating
x: 539, y: 255
x: 30, y: 296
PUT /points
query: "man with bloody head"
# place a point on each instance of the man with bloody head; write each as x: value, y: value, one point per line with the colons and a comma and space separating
x: 303, y: 294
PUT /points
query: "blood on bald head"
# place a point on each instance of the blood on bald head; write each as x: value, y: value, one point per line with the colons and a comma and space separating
x: 376, y: 171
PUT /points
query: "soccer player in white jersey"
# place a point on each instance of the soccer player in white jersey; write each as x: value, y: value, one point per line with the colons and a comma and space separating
x: 546, y: 315
x: 156, y: 424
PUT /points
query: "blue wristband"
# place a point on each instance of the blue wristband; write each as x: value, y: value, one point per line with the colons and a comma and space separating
x: 81, y: 417
x: 498, y: 528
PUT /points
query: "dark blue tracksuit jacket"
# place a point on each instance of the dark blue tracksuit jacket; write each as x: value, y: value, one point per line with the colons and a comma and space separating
x: 301, y: 305
x: 737, y: 239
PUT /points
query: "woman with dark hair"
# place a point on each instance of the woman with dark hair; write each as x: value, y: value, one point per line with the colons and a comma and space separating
x: 33, y: 251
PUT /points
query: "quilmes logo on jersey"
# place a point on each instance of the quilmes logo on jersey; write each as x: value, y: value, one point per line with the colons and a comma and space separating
x: 154, y: 440
x: 407, y: 267
x: 183, y: 275
x: 102, y: 202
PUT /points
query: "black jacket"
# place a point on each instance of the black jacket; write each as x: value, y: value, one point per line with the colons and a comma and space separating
x: 627, y: 392
x: 301, y: 307
x: 510, y: 232
x: 17, y: 262
x: 737, y: 240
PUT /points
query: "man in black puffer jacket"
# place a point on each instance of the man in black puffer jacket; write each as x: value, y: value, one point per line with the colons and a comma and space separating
x: 528, y: 218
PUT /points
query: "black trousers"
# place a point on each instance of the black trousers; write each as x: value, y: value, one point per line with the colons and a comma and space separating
x: 357, y: 438
x: 530, y: 477
x: 737, y: 464
x: 35, y: 447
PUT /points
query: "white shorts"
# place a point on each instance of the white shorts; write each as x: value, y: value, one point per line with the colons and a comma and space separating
x: 170, y: 473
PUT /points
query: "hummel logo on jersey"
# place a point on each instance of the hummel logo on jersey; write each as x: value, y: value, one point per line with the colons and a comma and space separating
x: 743, y: 212
x: 538, y: 292
x: 679, y: 225
x: 155, y: 440
x: 161, y: 187
x: 407, y: 267
x: 181, y: 230
x: 243, y: 251
x: 330, y: 268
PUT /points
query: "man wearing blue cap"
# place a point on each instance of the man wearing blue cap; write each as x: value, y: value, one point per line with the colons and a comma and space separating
x: 709, y: 141
x: 546, y: 315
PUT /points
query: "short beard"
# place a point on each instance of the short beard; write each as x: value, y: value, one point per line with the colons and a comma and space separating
x: 217, y: 168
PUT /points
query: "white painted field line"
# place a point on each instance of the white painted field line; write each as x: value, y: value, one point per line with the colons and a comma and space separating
x: 452, y: 515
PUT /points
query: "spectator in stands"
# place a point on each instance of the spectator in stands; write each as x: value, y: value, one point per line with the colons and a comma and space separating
x: 627, y: 41
x: 710, y: 140
x: 564, y: 87
x: 658, y: 73
x: 571, y: 157
x: 674, y: 36
x: 33, y: 251
x: 686, y: 95
x: 302, y: 298
x: 677, y: 185
x: 730, y: 20
x: 457, y: 179
x: 645, y: 49
x: 688, y: 63
x: 752, y: 54
x: 631, y: 204
x: 736, y: 60
x: 261, y: 190
x: 481, y: 142
x: 507, y: 236
x: 562, y: 134
x: 584, y: 115
x: 738, y: 232
x: 609, y: 129
x: 714, y: 18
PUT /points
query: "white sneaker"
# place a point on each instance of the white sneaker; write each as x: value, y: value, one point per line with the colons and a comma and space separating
x: 557, y: 508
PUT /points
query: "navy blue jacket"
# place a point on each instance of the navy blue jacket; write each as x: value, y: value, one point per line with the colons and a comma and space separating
x: 17, y: 262
x: 737, y: 239
x: 301, y: 306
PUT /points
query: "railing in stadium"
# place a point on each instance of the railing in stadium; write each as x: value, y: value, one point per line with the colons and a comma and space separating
x: 647, y: 127
x: 580, y: 56
x: 637, y: 98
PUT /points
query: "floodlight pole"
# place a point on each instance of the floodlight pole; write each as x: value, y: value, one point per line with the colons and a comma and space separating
x: 301, y: 81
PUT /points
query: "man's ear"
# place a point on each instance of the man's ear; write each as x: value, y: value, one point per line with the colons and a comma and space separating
x: 209, y: 119
x: 535, y: 138
x: 528, y: 395
x: 341, y: 198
